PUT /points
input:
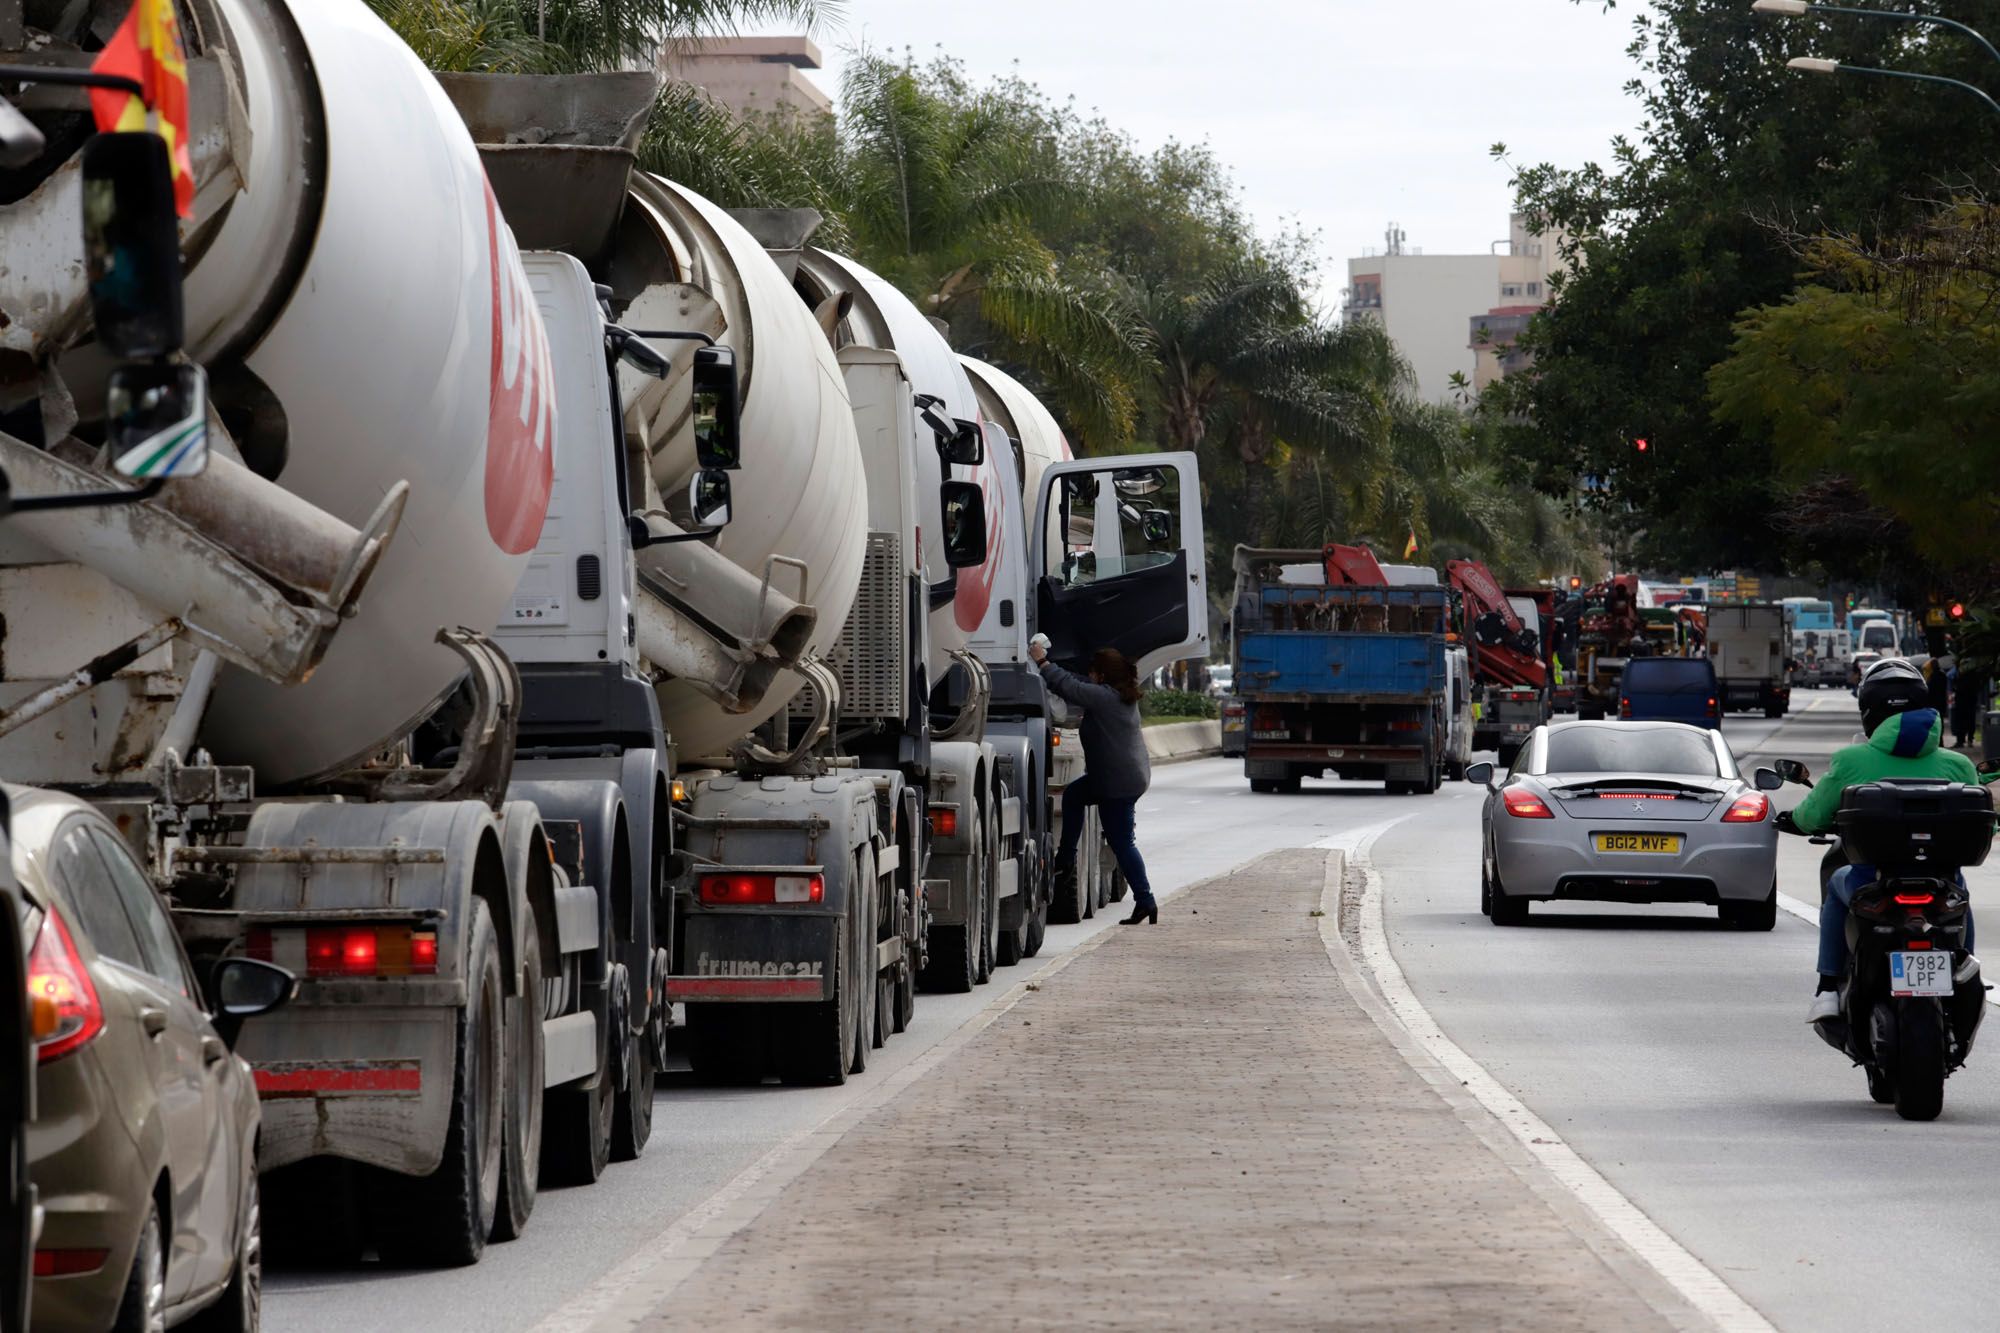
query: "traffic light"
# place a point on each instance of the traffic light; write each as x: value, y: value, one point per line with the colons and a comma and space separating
x: 1641, y: 444
x: 1957, y: 610
x: 1575, y: 583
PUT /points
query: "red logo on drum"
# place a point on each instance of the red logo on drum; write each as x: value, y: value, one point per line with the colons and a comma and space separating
x: 521, y: 420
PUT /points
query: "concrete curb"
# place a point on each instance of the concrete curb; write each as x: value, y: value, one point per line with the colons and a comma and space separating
x: 1183, y: 740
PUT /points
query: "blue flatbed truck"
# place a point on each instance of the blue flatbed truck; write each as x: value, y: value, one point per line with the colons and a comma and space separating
x: 1338, y: 679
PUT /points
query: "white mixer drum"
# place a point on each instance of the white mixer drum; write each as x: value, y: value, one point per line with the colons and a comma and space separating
x: 1006, y: 400
x: 883, y: 317
x: 409, y: 349
x: 801, y: 492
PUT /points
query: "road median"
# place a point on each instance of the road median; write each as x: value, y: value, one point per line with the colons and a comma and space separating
x: 1193, y: 1126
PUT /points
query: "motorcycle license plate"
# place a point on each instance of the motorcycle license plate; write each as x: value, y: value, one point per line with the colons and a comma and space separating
x: 1926, y: 973
x: 1657, y: 844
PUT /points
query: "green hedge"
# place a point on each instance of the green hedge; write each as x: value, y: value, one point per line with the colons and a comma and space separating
x: 1176, y: 703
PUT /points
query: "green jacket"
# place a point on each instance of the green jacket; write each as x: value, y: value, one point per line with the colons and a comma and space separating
x: 1904, y: 746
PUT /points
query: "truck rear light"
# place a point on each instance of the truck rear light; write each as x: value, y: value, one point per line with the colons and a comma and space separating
x: 1749, y: 808
x: 944, y: 821
x: 1711, y: 708
x: 1625, y: 708
x: 66, y: 1012
x: 741, y: 889
x: 1524, y: 804
x: 1406, y: 726
x: 68, y: 1263
x: 347, y: 951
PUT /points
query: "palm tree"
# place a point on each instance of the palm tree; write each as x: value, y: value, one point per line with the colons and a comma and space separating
x: 572, y: 36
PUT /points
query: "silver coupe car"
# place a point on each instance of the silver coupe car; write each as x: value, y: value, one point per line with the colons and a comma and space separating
x: 1628, y: 812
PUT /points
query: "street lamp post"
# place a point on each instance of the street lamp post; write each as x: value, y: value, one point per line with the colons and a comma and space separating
x: 1799, y: 8
x: 1814, y: 65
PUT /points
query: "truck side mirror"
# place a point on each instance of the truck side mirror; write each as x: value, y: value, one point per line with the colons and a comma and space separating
x: 708, y: 498
x: 131, y: 245
x: 958, y: 442
x: 157, y: 420
x: 718, y: 439
x: 964, y: 524
x: 1157, y: 527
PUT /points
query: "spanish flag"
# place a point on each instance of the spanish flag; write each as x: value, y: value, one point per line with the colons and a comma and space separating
x: 1410, y: 548
x: 147, y: 49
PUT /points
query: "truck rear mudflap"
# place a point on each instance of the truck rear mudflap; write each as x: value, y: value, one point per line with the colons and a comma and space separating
x: 752, y: 954
x: 360, y: 1069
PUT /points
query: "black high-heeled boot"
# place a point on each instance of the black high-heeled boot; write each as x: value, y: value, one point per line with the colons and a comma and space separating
x: 1150, y: 915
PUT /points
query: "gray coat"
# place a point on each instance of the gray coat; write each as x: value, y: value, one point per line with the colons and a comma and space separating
x: 1114, y: 742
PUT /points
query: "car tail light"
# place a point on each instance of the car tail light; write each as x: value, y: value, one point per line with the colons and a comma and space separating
x: 1915, y: 899
x: 1749, y: 808
x: 749, y: 888
x: 1711, y: 708
x: 1524, y: 804
x: 944, y: 821
x: 347, y: 951
x: 1625, y: 708
x: 62, y: 993
x: 68, y: 1263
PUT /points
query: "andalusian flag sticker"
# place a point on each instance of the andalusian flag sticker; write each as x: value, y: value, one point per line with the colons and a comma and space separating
x: 158, y: 420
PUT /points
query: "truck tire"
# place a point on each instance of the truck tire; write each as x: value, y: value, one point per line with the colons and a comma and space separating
x: 521, y: 1113
x: 1263, y: 786
x: 814, y: 1043
x: 953, y: 958
x: 576, y: 1129
x: 1118, y: 886
x: 867, y: 979
x: 1774, y: 711
x: 987, y: 916
x: 1013, y: 943
x: 444, y: 1218
x: 632, y: 1115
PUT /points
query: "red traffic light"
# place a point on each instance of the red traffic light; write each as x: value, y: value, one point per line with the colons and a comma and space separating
x: 1641, y: 445
x: 1958, y: 610
x: 1575, y: 583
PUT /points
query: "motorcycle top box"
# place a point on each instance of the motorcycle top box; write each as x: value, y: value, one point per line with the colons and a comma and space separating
x: 1915, y: 825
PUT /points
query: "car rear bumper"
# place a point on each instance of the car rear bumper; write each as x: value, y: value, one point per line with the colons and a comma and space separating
x: 1711, y: 867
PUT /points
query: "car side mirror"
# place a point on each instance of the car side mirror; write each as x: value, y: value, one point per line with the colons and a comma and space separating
x: 131, y: 245
x: 1768, y: 779
x: 1481, y: 773
x: 243, y: 988
x: 718, y: 432
x: 708, y: 498
x: 964, y: 524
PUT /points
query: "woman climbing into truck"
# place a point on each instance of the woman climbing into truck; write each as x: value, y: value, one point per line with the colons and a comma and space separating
x: 1116, y: 769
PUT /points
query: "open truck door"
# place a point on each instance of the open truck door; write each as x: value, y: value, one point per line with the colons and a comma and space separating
x: 1118, y: 560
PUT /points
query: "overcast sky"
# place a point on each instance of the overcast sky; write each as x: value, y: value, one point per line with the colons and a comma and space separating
x: 1344, y: 114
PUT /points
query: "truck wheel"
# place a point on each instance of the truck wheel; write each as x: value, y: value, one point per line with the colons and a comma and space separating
x: 1774, y: 711
x: 1118, y: 886
x: 986, y: 915
x: 632, y: 1120
x: 521, y: 1115
x: 444, y: 1218
x: 953, y: 958
x: 576, y: 1134
x: 724, y: 1046
x: 906, y: 996
x: 815, y: 1042
x: 1263, y: 786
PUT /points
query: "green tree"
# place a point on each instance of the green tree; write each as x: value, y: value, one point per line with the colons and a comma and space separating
x: 571, y: 36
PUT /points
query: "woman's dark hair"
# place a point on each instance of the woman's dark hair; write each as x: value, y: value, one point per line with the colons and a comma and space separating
x: 1110, y: 666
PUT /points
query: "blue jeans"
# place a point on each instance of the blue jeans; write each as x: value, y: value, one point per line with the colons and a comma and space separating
x: 1120, y: 820
x: 1840, y: 890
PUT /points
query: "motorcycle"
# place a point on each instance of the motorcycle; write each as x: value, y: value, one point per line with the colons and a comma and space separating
x: 1904, y: 1018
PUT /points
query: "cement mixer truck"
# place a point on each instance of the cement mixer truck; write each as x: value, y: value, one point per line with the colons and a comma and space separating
x: 284, y: 677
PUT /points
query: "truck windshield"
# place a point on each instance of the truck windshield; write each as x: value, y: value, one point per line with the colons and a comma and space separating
x: 1621, y: 747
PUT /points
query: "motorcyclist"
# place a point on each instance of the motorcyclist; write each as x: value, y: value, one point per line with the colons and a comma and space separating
x: 1904, y: 735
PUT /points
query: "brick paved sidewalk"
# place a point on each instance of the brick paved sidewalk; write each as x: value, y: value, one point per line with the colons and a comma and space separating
x: 1193, y: 1126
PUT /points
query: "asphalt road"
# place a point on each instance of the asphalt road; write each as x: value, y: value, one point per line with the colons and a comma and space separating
x: 1672, y: 1055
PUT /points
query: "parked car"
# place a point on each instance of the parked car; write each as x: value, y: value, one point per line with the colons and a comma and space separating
x: 143, y: 1149
x: 1628, y: 812
x: 1670, y: 689
x: 1234, y: 725
x: 20, y: 1216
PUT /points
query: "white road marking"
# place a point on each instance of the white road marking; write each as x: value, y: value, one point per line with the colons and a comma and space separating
x: 1693, y: 1280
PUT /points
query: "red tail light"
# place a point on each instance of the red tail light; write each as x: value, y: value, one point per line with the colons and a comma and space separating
x: 68, y: 1263
x: 1711, y: 708
x: 62, y: 993
x: 1749, y: 808
x: 347, y: 951
x: 740, y: 889
x: 1406, y: 726
x: 944, y: 821
x: 1524, y: 804
x: 1625, y: 708
x: 1915, y: 899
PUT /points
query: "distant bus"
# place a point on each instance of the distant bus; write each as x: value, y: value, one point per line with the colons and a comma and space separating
x: 1808, y: 613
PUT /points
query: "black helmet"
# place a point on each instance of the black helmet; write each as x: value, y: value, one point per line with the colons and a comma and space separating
x: 1891, y: 686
